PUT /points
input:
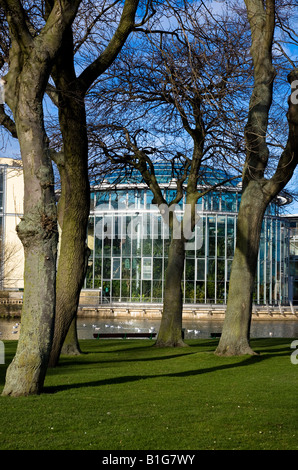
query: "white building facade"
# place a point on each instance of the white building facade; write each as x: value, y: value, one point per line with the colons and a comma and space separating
x: 11, y: 209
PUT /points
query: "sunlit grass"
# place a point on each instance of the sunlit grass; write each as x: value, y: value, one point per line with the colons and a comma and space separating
x: 129, y: 395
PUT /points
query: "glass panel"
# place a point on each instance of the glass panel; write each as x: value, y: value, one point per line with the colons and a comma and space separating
x: 147, y: 247
x: 146, y: 268
x: 220, y: 270
x: 106, y: 291
x: 211, y: 250
x: 102, y: 199
x: 98, y: 246
x: 115, y: 290
x: 212, y: 226
x: 215, y: 201
x: 189, y: 292
x: 136, y: 268
x: 116, y: 269
x: 200, y: 292
x: 200, y: 269
x: 157, y: 291
x: 221, y: 247
x: 116, y: 246
x: 190, y: 269
x: 211, y: 268
x: 135, y: 291
x: 125, y: 291
x: 106, y: 268
x: 97, y: 268
x: 208, y: 202
x: 157, y: 247
x: 157, y: 268
x: 146, y: 291
x: 107, y: 246
x: 210, y: 291
x: 230, y: 226
x: 228, y: 202
x: 139, y: 199
x: 126, y: 240
x: 230, y: 247
x: 149, y: 197
x: 221, y: 223
x: 220, y: 292
x: 107, y: 233
x: 131, y: 198
x: 126, y: 246
x: 126, y: 263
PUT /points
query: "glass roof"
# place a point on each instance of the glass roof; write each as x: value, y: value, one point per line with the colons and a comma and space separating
x: 165, y: 173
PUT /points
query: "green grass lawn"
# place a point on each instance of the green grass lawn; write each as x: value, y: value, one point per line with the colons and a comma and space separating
x: 129, y: 395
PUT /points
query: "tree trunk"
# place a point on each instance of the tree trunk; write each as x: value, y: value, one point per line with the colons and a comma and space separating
x: 170, y: 331
x: 71, y: 345
x: 30, y: 62
x: 236, y: 329
x: 74, y: 203
x: 38, y: 233
x: 73, y: 213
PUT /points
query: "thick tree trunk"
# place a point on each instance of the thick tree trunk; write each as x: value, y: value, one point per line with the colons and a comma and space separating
x: 74, y: 203
x: 73, y: 213
x: 170, y: 331
x: 30, y: 62
x: 71, y: 345
x: 70, y: 278
x: 38, y: 233
x: 236, y: 330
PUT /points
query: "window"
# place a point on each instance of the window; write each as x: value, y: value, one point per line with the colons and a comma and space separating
x: 146, y: 268
x: 116, y: 268
x: 200, y: 269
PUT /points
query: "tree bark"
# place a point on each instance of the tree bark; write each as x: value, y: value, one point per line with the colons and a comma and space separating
x: 71, y: 345
x: 257, y: 190
x: 73, y: 206
x: 74, y: 203
x: 38, y: 233
x: 236, y: 329
x: 30, y: 64
x: 170, y: 331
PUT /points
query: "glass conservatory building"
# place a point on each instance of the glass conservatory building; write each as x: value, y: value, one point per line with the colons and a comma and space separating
x: 129, y: 243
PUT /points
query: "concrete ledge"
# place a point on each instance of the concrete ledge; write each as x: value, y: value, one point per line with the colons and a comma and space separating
x: 200, y: 312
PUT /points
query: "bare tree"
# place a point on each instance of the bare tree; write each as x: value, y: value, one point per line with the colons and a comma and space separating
x: 106, y: 27
x: 185, y: 83
x: 73, y: 208
x: 31, y: 57
x: 257, y: 189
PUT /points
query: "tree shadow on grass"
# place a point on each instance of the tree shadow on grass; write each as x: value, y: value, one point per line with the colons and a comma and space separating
x: 248, y: 361
x: 169, y: 353
x: 261, y: 345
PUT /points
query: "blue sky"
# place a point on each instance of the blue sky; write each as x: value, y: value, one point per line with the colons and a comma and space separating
x: 11, y: 148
